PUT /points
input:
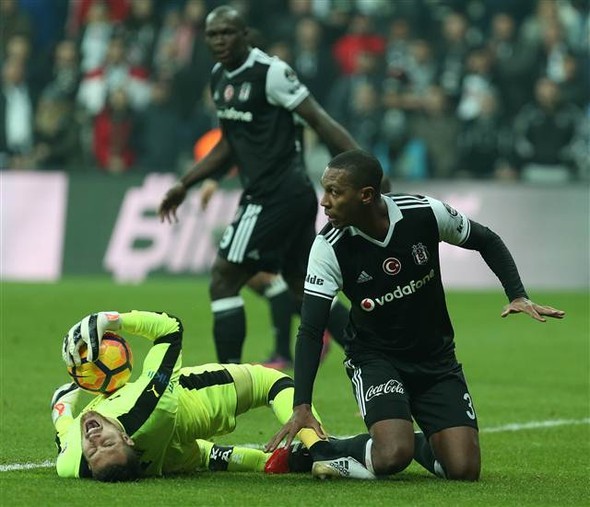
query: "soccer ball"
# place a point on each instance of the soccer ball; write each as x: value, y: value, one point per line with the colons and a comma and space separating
x: 110, y: 371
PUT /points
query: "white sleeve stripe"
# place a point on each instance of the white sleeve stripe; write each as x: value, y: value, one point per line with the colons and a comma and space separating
x: 408, y: 199
x: 318, y: 294
x: 295, y: 102
x: 411, y: 206
x: 333, y: 236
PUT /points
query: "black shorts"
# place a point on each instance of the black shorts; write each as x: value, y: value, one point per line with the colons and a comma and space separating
x: 436, y: 402
x: 273, y: 235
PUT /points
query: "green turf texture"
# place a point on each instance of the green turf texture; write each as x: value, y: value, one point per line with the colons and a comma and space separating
x: 519, y: 371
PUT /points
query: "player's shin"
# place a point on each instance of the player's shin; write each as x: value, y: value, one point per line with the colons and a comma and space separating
x: 424, y: 456
x: 229, y: 328
x: 281, y: 309
x: 216, y: 458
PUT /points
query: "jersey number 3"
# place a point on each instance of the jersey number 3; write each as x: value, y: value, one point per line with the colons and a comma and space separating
x: 470, y: 411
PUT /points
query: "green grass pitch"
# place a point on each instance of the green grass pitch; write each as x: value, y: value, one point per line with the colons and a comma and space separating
x: 521, y: 372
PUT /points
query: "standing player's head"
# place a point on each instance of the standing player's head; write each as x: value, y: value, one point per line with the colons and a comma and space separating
x: 108, y: 450
x: 226, y: 34
x: 352, y: 188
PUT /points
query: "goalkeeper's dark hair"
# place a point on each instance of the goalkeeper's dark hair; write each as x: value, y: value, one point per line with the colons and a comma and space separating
x: 127, y: 472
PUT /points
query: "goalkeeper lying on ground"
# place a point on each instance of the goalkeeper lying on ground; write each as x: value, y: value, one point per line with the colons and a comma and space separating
x: 159, y: 424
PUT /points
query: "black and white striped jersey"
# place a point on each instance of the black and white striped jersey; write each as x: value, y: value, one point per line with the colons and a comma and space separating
x: 397, y: 299
x: 254, y: 105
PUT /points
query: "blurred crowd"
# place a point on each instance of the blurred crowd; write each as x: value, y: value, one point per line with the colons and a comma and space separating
x: 482, y: 89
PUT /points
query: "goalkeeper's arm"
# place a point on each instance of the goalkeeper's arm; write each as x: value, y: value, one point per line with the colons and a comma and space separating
x: 90, y: 330
x: 63, y: 404
x: 150, y: 325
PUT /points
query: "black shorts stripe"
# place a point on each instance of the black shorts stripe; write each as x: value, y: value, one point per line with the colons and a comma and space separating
x: 205, y: 379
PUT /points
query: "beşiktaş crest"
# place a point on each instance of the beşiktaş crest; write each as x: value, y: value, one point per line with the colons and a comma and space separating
x: 244, y: 93
x: 420, y: 254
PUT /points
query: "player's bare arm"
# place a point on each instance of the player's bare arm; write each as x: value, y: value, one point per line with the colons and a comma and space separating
x: 330, y: 131
x: 302, y: 418
x: 218, y: 158
x: 537, y: 312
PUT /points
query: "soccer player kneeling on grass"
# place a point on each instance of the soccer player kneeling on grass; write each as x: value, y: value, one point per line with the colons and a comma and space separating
x: 158, y: 425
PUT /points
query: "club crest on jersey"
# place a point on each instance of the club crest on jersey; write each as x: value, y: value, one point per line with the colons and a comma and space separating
x: 452, y: 211
x: 244, y: 93
x: 420, y: 254
x: 228, y: 93
x: 392, y: 266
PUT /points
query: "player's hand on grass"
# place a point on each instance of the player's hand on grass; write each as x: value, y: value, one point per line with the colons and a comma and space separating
x: 537, y: 312
x: 89, y: 331
x: 302, y: 418
x: 63, y: 401
x: 173, y: 198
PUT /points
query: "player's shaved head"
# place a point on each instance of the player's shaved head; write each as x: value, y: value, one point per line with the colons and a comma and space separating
x: 228, y: 14
x: 364, y: 169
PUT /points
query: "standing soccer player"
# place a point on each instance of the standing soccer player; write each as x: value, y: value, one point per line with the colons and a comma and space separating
x: 382, y: 252
x: 257, y: 97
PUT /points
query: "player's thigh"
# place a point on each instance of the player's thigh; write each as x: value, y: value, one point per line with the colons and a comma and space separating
x: 446, y: 413
x: 378, y: 389
x: 263, y: 232
x: 443, y: 402
x: 385, y: 407
x: 227, y: 278
x: 209, y: 395
x: 256, y: 385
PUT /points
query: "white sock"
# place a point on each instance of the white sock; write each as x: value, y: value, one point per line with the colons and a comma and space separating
x: 439, y: 470
x: 368, y: 456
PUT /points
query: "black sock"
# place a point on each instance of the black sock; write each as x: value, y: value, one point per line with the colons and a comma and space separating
x: 423, y: 453
x: 337, y: 322
x: 337, y: 448
x: 229, y: 332
x: 281, y: 312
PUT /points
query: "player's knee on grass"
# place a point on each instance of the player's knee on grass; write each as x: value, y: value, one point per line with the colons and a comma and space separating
x: 457, y: 450
x: 466, y: 468
x: 391, y: 457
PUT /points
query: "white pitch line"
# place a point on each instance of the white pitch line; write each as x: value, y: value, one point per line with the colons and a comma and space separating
x: 26, y: 466
x: 533, y: 425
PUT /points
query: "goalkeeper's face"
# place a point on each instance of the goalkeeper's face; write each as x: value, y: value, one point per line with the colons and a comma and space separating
x: 104, y: 442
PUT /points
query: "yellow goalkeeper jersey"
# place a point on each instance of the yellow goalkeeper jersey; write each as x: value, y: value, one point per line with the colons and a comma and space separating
x: 146, y: 408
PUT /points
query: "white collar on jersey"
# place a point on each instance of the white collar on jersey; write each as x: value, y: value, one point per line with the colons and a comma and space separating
x: 395, y: 215
x: 252, y: 56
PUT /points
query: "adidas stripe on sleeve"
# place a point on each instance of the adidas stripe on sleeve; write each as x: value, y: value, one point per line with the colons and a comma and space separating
x: 324, y: 278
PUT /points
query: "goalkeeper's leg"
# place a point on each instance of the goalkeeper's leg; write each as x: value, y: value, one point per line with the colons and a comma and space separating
x: 216, y: 458
x: 258, y: 386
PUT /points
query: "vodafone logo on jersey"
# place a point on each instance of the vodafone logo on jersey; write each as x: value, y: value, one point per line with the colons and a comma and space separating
x: 400, y: 292
x: 392, y: 266
x: 368, y: 305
